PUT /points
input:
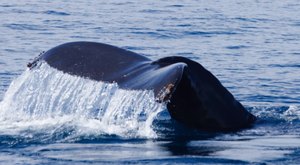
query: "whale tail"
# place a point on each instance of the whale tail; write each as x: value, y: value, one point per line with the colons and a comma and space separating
x: 193, y: 95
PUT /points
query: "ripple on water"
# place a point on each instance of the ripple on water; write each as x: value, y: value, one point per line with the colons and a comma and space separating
x: 252, y: 46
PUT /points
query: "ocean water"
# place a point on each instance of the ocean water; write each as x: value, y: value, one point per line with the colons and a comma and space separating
x: 48, y: 117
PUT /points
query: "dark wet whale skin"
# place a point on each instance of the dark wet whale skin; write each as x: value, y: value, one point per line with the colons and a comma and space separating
x: 193, y: 95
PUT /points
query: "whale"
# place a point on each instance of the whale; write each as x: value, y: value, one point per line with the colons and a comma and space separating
x: 192, y: 94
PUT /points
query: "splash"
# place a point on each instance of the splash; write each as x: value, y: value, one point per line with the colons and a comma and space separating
x: 292, y: 113
x: 45, y: 100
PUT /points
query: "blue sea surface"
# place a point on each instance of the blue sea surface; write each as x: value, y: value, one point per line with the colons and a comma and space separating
x: 48, y: 117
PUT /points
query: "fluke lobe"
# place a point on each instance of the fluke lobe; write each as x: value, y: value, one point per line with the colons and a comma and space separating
x: 193, y: 95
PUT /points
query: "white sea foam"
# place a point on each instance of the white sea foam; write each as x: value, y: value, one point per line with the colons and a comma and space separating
x: 44, y: 99
x: 292, y: 113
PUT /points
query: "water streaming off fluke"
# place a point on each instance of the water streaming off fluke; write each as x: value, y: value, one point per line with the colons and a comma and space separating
x: 45, y: 99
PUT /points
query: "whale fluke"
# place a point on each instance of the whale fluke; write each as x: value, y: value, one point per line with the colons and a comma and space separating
x: 193, y: 95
